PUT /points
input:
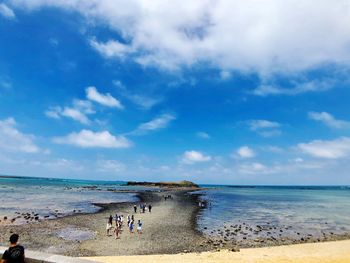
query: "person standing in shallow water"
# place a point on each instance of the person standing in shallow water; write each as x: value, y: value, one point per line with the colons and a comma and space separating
x: 15, y: 253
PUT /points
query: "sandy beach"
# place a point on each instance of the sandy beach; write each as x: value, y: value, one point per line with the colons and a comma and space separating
x: 326, y: 252
x: 170, y: 228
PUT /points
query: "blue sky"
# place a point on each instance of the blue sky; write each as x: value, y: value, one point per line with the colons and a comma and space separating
x: 231, y: 92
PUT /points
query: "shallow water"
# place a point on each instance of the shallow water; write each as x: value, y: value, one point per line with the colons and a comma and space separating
x: 303, y: 210
x: 51, y: 198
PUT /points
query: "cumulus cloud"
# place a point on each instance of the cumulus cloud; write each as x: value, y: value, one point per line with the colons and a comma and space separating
x: 245, y: 152
x: 11, y: 139
x: 78, y: 111
x: 273, y: 36
x: 190, y: 157
x: 160, y: 122
x: 331, y: 149
x: 90, y: 139
x: 329, y: 120
x: 103, y: 99
x: 6, y: 12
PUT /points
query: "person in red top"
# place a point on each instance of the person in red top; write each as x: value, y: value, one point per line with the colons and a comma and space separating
x: 15, y: 253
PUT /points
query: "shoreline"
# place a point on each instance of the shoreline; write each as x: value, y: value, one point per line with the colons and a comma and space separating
x: 172, y: 228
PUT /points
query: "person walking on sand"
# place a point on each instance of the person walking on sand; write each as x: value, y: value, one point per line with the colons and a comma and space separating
x: 149, y: 208
x: 139, y: 227
x: 117, y: 230
x: 116, y: 219
x: 109, y: 227
x: 128, y: 220
x: 131, y: 227
x: 135, y: 208
x: 15, y: 253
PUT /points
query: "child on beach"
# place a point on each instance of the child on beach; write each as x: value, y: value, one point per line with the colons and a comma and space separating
x: 139, y: 227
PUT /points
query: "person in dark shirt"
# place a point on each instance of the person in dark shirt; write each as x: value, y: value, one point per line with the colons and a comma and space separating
x: 15, y: 253
x: 150, y: 208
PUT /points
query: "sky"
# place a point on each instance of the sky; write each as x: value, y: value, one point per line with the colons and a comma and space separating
x: 218, y: 92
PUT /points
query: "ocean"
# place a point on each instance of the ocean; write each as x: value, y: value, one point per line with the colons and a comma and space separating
x: 51, y: 198
x: 312, y: 210
x: 287, y: 210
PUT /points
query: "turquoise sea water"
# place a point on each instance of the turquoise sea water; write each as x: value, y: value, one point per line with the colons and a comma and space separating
x: 299, y: 209
x: 52, y: 198
x: 310, y: 210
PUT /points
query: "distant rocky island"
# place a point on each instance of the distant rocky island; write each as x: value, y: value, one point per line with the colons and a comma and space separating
x: 182, y: 184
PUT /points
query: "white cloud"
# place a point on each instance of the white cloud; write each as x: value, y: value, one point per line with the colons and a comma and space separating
x: 143, y: 101
x: 273, y: 36
x: 103, y: 99
x: 111, y: 48
x: 332, y: 149
x: 329, y: 120
x: 262, y: 124
x: 245, y: 152
x: 11, y: 139
x: 160, y: 122
x: 78, y: 111
x: 190, y: 157
x: 6, y: 12
x: 253, y: 168
x: 265, y: 128
x: 75, y: 115
x: 203, y: 135
x: 90, y: 139
x: 299, y: 88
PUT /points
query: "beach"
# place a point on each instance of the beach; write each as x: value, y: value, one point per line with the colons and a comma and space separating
x: 326, y: 252
x: 171, y: 228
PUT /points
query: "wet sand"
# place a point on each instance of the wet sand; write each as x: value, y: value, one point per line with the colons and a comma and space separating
x: 170, y: 228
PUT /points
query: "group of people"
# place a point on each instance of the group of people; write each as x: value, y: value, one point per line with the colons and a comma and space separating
x: 143, y: 207
x: 119, y: 221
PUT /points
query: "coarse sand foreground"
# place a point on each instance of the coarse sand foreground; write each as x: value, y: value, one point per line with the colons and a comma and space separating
x: 335, y: 252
